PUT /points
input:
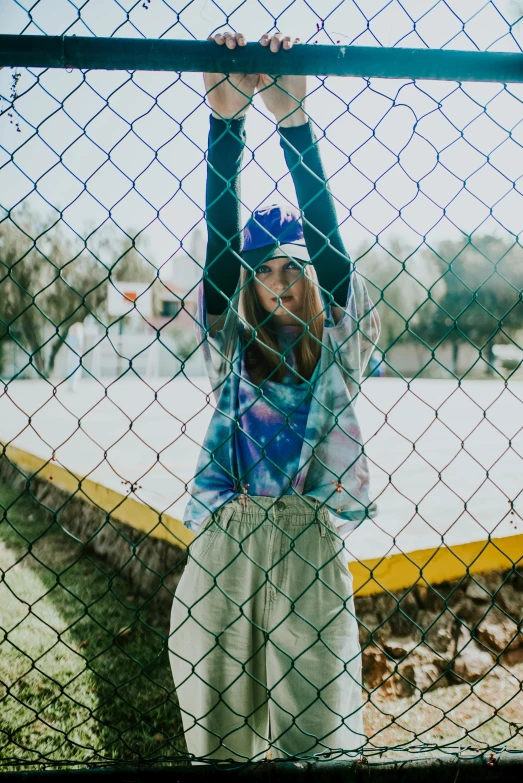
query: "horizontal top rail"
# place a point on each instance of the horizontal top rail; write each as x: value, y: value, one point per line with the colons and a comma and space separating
x: 174, y: 55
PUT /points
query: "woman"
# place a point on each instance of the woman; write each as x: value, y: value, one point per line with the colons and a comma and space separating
x: 264, y: 642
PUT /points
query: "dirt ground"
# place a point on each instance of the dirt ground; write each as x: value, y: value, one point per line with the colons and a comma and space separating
x: 487, y: 714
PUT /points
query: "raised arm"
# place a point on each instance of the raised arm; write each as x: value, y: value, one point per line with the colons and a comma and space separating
x: 320, y: 223
x: 229, y: 98
x: 284, y: 96
x: 222, y: 212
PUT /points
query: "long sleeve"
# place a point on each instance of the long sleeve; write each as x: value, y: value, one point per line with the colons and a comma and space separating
x: 223, y: 213
x: 320, y: 223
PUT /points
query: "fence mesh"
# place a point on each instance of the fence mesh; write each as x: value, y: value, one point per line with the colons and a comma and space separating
x: 152, y: 372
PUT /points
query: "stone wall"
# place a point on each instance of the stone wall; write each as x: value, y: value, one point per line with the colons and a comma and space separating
x: 438, y: 635
x: 153, y: 566
x: 425, y: 637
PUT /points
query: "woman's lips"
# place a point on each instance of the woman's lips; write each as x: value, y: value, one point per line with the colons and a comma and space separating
x: 283, y: 299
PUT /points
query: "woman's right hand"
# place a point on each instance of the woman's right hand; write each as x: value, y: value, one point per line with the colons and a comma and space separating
x: 229, y: 97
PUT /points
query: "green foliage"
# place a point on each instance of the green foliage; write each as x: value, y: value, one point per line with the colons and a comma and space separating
x: 52, y: 278
x: 456, y: 294
x: 185, y: 342
x: 476, y: 298
x: 397, y: 278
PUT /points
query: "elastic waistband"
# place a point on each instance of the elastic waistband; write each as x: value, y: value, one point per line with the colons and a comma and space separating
x: 293, y: 509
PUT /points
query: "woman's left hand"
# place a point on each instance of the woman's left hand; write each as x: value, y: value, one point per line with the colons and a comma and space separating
x: 284, y: 96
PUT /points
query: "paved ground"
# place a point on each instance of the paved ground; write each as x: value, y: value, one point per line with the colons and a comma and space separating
x: 466, y: 467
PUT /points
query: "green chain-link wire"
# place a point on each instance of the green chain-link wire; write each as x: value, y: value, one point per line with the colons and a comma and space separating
x: 84, y: 676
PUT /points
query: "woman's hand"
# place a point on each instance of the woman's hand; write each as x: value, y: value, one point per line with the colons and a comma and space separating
x: 229, y: 97
x: 284, y: 96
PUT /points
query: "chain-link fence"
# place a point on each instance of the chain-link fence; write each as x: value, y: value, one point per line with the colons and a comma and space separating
x: 240, y: 352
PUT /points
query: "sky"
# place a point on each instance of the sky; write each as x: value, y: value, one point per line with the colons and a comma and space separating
x: 420, y: 161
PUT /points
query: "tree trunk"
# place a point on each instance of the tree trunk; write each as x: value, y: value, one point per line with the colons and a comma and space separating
x: 488, y: 355
x: 55, y: 347
x: 33, y: 347
x: 455, y: 355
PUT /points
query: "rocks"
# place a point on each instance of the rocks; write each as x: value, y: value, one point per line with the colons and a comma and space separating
x: 511, y: 601
x: 403, y: 619
x: 477, y: 592
x: 498, y: 632
x: 384, y: 607
x: 515, y: 579
x: 472, y: 663
x: 469, y: 611
x: 430, y: 637
x: 492, y: 581
x: 368, y: 625
x: 512, y: 657
x: 376, y: 667
x: 405, y: 680
x: 414, y: 640
x: 419, y: 670
x: 437, y: 629
x: 398, y: 648
x: 366, y: 606
x: 433, y: 674
x: 471, y: 660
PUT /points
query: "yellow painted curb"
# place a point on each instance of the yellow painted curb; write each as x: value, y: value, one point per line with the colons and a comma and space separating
x: 434, y: 566
x: 394, y: 573
x: 121, y: 507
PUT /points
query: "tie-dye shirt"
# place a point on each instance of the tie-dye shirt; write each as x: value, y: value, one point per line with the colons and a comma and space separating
x: 271, y: 426
x: 329, y: 462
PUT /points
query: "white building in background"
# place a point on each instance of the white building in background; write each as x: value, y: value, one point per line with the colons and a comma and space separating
x: 155, y: 338
x: 158, y: 342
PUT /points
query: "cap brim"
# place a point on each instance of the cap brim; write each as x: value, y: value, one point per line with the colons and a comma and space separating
x: 287, y: 250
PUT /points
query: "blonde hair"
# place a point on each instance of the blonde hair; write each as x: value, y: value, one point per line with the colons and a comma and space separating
x: 263, y: 359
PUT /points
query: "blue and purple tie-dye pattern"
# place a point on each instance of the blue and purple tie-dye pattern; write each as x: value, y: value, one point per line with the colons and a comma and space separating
x: 273, y: 418
x: 330, y: 464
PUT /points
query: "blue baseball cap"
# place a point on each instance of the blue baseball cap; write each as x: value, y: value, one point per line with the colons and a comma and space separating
x: 272, y: 232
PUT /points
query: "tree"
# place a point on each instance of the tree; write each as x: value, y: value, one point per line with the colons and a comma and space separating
x: 398, y: 278
x: 476, y: 298
x: 50, y: 276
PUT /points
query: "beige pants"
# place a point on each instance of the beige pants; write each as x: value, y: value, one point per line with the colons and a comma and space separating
x: 264, y: 642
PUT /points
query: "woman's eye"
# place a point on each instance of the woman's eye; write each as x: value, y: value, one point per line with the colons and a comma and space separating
x: 293, y: 265
x: 262, y: 269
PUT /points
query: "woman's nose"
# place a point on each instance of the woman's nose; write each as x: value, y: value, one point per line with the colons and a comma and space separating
x: 280, y: 290
x: 283, y: 281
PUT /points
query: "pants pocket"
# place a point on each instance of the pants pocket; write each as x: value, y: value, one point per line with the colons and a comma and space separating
x: 201, y: 545
x: 337, y: 548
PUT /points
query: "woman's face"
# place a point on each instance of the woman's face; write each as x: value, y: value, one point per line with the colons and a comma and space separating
x: 280, y: 286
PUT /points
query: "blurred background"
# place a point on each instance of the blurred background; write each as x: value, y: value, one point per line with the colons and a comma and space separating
x: 104, y: 402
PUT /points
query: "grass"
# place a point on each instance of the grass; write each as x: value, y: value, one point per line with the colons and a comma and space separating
x: 84, y: 671
x: 85, y: 677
